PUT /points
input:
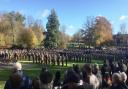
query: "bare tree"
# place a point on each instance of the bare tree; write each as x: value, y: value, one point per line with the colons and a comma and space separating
x: 88, y: 31
x: 123, y: 28
x: 123, y: 32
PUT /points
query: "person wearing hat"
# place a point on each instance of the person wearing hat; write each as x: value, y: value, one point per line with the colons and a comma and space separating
x: 24, y: 81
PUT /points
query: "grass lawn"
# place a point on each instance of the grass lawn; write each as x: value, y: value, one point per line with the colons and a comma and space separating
x: 33, y: 70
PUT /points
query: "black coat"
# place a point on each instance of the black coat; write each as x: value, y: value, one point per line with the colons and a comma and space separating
x: 120, y: 86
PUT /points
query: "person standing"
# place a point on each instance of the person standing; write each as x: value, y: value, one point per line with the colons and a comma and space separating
x: 18, y: 80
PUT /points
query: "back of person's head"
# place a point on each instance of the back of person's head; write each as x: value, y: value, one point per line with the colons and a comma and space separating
x: 71, y: 80
x: 107, y: 76
x: 87, y: 68
x: 124, y: 68
x: 57, y: 79
x: 95, y: 68
x: 85, y: 76
x: 123, y: 76
x: 46, y: 77
x: 76, y: 69
x: 116, y: 78
x: 36, y: 83
x: 17, y: 67
x: 44, y: 69
x: 16, y: 81
x: 72, y: 76
x: 57, y: 75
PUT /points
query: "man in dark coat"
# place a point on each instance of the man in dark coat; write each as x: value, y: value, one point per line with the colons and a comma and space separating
x: 18, y: 79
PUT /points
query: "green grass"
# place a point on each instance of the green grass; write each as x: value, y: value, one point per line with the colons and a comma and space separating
x: 2, y: 84
x: 33, y: 70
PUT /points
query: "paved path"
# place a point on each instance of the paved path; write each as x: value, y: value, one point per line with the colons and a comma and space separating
x: 5, y: 66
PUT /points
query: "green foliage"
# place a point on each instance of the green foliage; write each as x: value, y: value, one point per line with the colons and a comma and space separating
x: 52, y: 34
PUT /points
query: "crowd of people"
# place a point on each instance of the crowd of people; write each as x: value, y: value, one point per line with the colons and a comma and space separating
x: 111, y: 75
x: 61, y: 56
x: 44, y: 56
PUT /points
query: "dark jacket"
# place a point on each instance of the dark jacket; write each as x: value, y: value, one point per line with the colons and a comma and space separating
x: 120, y: 86
x: 25, y: 84
x: 77, y: 86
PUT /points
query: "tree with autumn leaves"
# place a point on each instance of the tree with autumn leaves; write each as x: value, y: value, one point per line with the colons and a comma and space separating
x: 14, y: 31
x: 103, y: 30
x: 97, y: 31
x: 27, y: 39
x: 11, y: 23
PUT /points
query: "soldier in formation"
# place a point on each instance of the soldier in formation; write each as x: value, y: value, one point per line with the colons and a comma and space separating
x: 61, y: 57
